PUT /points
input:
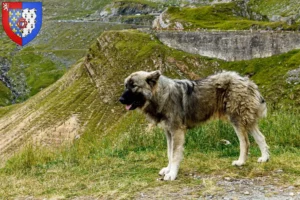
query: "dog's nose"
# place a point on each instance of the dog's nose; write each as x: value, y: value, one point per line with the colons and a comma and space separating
x: 122, y: 100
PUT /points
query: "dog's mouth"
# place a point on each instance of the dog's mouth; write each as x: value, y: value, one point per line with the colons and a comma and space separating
x: 128, y: 107
x: 132, y: 100
x: 132, y: 106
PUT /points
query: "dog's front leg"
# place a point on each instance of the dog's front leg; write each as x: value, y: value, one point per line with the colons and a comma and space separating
x: 176, y: 154
x: 166, y: 170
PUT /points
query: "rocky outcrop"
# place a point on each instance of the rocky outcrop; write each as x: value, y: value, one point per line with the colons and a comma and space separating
x: 126, y: 8
x: 289, y: 19
x: 231, y: 45
x: 128, y: 12
x: 293, y: 76
x: 246, y: 11
x: 208, y: 2
x: 4, y: 68
x: 169, y: 18
x: 159, y: 21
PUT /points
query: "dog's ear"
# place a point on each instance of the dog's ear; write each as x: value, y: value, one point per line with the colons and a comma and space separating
x: 153, y: 78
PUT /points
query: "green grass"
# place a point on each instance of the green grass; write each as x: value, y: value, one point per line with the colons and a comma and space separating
x: 55, y: 49
x: 219, y: 17
x: 73, y: 40
x: 128, y: 164
x: 39, y: 71
x: 6, y: 48
x: 6, y: 109
x: 140, y: 20
x: 115, y: 157
x: 72, y: 9
x: 6, y: 45
x: 5, y: 95
x: 145, y: 2
x: 282, y: 8
x: 69, y: 9
x: 40, y: 64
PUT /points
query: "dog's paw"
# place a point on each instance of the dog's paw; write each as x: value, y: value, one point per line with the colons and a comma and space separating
x: 164, y: 171
x: 238, y: 163
x: 170, y: 176
x: 263, y: 159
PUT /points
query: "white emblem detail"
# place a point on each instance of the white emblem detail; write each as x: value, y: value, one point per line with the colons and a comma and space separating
x: 5, y: 6
x: 30, y: 17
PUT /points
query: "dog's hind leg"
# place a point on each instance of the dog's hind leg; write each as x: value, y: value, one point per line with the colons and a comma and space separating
x: 176, y: 154
x: 166, y: 170
x: 261, y: 141
x: 244, y: 145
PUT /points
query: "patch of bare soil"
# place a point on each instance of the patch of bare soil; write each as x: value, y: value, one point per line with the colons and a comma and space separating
x: 60, y: 133
x: 227, y: 188
x: 17, y: 130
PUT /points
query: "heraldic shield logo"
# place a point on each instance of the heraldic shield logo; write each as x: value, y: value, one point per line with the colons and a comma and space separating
x: 22, y: 21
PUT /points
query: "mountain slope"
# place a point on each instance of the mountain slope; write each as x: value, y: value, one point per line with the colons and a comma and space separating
x: 227, y: 16
x: 85, y: 99
x: 88, y: 92
x: 61, y: 41
x: 63, y: 38
x: 113, y: 156
x: 277, y: 10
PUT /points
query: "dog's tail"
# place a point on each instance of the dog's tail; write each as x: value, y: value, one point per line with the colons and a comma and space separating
x: 262, y: 111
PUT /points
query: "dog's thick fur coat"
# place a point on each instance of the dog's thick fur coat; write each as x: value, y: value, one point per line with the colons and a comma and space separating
x: 181, y: 104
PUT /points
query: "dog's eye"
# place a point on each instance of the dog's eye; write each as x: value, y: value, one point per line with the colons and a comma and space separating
x: 132, y: 85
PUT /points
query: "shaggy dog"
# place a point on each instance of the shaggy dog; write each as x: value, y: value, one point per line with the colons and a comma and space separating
x: 178, y: 105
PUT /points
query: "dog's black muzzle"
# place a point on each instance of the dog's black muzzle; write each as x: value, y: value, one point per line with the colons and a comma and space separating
x: 132, y: 100
x: 122, y: 100
x: 127, y: 97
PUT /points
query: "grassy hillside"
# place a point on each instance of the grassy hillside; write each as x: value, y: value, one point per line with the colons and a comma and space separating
x: 61, y: 43
x: 5, y: 94
x: 69, y: 9
x: 6, y: 47
x: 221, y: 17
x: 42, y: 62
x: 283, y: 8
x: 114, y: 155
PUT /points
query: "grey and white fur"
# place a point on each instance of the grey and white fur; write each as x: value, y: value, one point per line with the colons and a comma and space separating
x: 178, y: 105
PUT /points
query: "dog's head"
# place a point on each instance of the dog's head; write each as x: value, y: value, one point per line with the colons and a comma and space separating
x: 139, y: 87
